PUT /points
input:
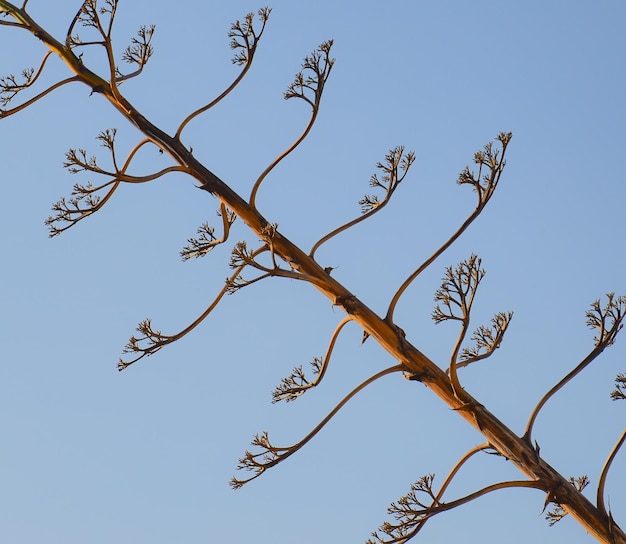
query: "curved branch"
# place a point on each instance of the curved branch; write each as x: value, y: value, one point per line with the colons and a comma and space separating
x: 320, y: 63
x: 490, y: 158
x: 370, y: 205
x: 415, y: 517
x: 250, y: 42
x: 10, y: 87
x: 596, y: 318
x: 296, y: 383
x: 6, y: 113
x: 199, y: 247
x: 273, y: 455
x: 156, y: 340
x: 605, y: 471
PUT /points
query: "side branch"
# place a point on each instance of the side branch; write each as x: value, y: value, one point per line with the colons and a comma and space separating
x: 270, y: 455
x: 484, y: 186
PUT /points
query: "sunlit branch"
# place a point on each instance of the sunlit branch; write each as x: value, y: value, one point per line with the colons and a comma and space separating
x: 272, y: 455
x: 199, y: 247
x: 296, y: 383
x: 484, y: 185
x: 245, y: 38
x: 319, y: 64
x: 7, y: 8
x: 395, y: 160
x: 608, y: 321
x: 605, y: 470
x: 152, y: 341
x: 6, y: 113
x: 411, y: 513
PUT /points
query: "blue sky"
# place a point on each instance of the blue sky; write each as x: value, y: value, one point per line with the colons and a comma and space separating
x: 92, y: 455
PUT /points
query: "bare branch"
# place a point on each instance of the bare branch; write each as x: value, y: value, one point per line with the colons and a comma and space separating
x: 484, y: 185
x: 608, y: 321
x: 396, y: 160
x: 270, y: 456
x: 296, y: 384
x: 309, y: 87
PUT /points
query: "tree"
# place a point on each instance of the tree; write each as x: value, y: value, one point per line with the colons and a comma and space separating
x: 276, y: 256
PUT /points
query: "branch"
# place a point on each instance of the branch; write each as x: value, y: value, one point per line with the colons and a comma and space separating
x: 608, y: 321
x: 456, y: 294
x: 605, y: 472
x: 317, y: 66
x: 152, y: 341
x: 370, y: 204
x: 245, y: 39
x: 411, y: 513
x: 619, y: 393
x: 270, y: 455
x: 487, y: 339
x: 558, y: 513
x: 484, y: 186
x: 7, y: 113
x: 199, y: 247
x: 76, y: 160
x: 296, y: 384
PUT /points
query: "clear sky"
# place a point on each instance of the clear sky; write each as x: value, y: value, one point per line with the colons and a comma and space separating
x: 91, y: 455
